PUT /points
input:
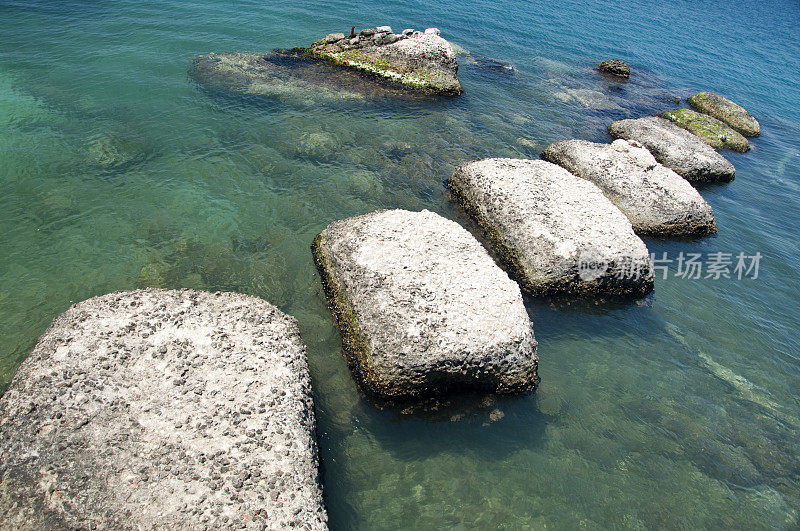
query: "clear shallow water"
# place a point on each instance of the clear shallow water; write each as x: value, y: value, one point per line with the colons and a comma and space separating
x: 117, y: 171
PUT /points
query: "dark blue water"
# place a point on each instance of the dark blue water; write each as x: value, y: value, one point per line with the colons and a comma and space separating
x: 119, y: 171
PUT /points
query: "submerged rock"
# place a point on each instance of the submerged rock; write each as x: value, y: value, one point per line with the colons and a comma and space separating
x: 117, y: 150
x: 710, y: 130
x: 162, y: 409
x: 490, y: 64
x: 676, y: 148
x: 293, y: 77
x: 589, y: 98
x: 422, y: 61
x: 725, y: 110
x: 422, y: 308
x: 656, y: 200
x: 557, y: 232
x: 615, y: 67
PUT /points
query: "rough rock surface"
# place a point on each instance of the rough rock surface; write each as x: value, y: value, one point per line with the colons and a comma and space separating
x: 162, y: 409
x: 615, y: 67
x: 724, y: 109
x: 656, y: 200
x: 676, y: 148
x: 708, y: 129
x: 424, y: 61
x: 556, y: 231
x: 422, y: 307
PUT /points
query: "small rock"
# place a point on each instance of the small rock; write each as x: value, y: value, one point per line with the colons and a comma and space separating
x: 433, y: 31
x: 384, y: 29
x: 408, y: 31
x: 615, y: 67
x: 331, y: 38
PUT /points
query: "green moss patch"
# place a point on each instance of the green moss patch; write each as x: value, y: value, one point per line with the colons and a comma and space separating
x: 712, y: 131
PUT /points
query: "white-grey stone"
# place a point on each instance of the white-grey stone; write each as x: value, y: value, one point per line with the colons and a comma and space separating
x: 556, y: 231
x: 408, y: 31
x: 676, y: 148
x: 433, y: 31
x: 384, y: 29
x: 330, y: 38
x: 656, y: 200
x: 161, y: 409
x: 422, y: 307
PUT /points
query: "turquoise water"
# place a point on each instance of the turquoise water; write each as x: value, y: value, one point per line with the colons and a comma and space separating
x: 118, y: 171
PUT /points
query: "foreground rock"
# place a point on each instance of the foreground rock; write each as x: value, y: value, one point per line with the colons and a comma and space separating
x: 162, y: 409
x: 556, y: 231
x: 423, y: 61
x: 422, y: 307
x: 725, y: 110
x: 676, y: 148
x: 615, y: 67
x: 708, y: 129
x: 656, y: 200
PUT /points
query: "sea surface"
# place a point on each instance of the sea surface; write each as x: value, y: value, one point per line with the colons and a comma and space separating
x: 118, y: 170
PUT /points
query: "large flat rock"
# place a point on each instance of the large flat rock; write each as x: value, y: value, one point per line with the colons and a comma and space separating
x: 556, y: 231
x: 676, y: 148
x: 162, y: 409
x: 293, y: 77
x: 656, y: 200
x: 708, y: 129
x: 729, y: 112
x: 422, y: 307
x: 423, y: 61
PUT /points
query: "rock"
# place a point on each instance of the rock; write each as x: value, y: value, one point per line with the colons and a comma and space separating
x: 333, y: 37
x: 725, y: 110
x: 710, y: 130
x: 422, y: 62
x: 408, y: 31
x: 615, y: 67
x: 557, y: 232
x: 591, y: 99
x: 156, y: 409
x: 433, y: 31
x: 368, y: 32
x: 317, y: 145
x: 656, y: 200
x: 293, y: 77
x: 495, y: 65
x: 676, y: 148
x: 422, y: 308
